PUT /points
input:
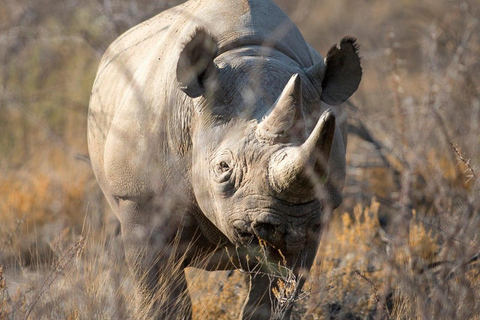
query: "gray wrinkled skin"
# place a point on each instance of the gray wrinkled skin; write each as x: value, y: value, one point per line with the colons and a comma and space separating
x: 208, y: 135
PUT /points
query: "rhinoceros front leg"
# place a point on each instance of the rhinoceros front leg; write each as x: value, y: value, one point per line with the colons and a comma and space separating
x: 161, y: 287
x: 261, y: 302
x: 273, y: 290
x: 258, y: 304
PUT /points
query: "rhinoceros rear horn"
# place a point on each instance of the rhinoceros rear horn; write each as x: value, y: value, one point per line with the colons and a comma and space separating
x: 195, y: 63
x: 296, y: 172
x: 340, y: 74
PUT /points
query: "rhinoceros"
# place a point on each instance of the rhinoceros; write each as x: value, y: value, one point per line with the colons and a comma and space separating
x: 217, y: 136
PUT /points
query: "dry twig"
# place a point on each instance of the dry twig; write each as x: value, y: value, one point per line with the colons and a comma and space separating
x: 60, y: 266
x: 466, y: 162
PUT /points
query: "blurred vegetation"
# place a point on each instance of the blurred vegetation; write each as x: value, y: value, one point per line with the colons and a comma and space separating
x: 414, y: 148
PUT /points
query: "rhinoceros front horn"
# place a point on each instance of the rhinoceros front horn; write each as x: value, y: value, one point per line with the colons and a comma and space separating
x: 285, y: 121
x: 296, y: 173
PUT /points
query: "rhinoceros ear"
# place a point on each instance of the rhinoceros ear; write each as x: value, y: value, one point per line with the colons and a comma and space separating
x: 341, y: 73
x: 195, y: 63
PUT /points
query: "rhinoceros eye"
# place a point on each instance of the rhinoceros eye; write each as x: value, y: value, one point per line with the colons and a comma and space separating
x: 223, y: 172
x: 223, y: 167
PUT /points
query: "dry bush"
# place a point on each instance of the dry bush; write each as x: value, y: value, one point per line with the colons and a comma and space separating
x: 365, y: 273
x: 362, y: 273
x: 411, y: 253
x: 86, y: 280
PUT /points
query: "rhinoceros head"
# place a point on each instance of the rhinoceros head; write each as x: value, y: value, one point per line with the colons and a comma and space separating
x: 260, y: 162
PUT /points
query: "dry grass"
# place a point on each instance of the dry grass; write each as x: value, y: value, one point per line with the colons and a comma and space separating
x: 363, y: 274
x: 404, y: 245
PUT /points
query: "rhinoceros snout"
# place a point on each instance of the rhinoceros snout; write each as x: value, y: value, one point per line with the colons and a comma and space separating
x: 286, y: 238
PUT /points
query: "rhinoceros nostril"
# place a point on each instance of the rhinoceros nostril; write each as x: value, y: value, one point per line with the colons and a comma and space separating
x: 242, y: 233
x: 264, y: 230
x: 269, y: 232
x: 316, y: 227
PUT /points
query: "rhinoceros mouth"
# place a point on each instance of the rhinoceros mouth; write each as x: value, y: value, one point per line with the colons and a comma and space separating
x: 276, y: 241
x: 262, y: 257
